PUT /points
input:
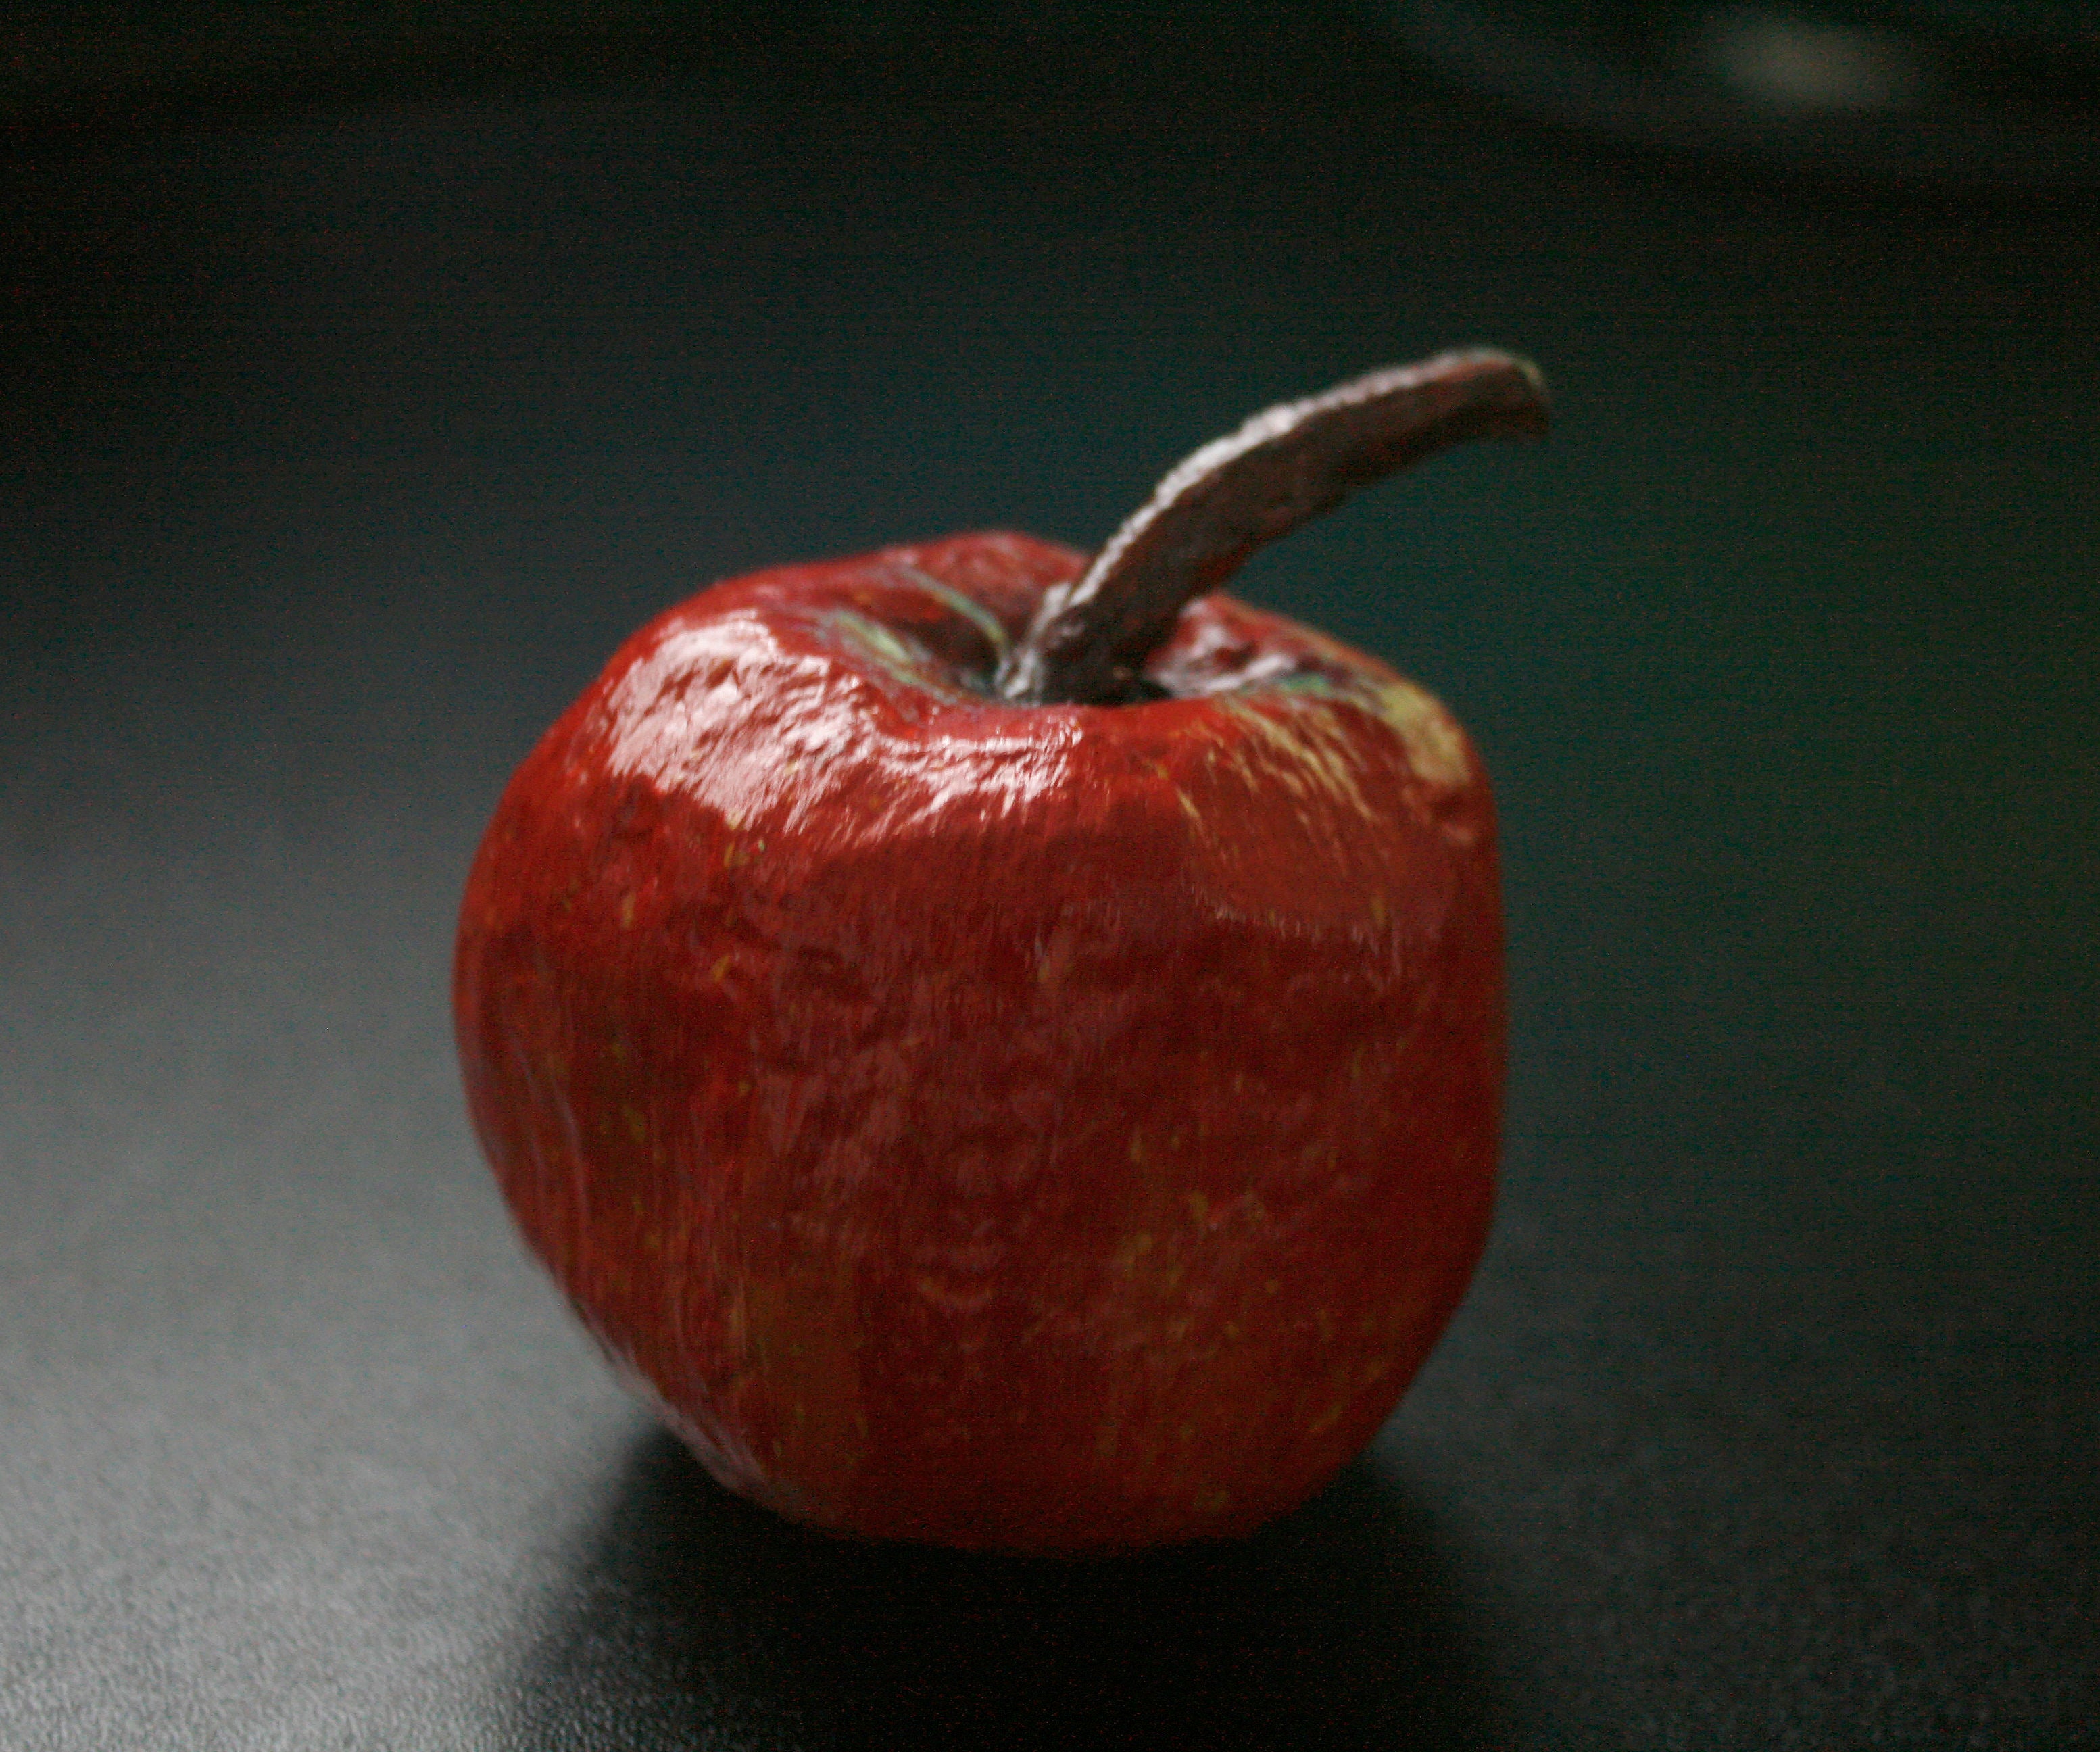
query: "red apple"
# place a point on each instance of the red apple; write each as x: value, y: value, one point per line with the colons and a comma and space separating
x: 1007, y: 1053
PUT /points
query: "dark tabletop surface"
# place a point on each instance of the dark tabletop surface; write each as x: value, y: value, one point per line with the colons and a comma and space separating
x: 344, y: 438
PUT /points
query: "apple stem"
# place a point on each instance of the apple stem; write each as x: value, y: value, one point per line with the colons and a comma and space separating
x: 1284, y: 467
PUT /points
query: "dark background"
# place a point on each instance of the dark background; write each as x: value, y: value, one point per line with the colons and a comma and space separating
x: 352, y: 418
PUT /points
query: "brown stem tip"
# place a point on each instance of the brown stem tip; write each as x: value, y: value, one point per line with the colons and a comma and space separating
x: 1285, y: 467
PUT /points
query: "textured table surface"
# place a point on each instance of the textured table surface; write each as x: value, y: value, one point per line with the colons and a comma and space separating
x: 342, y: 442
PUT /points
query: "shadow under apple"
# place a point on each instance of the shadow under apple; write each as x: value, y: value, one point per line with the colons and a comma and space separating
x: 695, y: 1620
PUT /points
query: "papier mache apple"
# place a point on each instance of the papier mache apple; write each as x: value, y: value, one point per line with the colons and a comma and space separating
x: 1005, y: 1050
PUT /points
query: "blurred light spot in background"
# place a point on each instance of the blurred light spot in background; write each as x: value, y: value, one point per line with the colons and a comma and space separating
x: 1803, y: 64
x: 1957, y: 92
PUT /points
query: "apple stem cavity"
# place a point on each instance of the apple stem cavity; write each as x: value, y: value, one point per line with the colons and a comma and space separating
x: 1284, y: 467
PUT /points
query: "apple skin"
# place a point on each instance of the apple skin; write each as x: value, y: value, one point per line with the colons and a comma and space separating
x: 1046, y: 1128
